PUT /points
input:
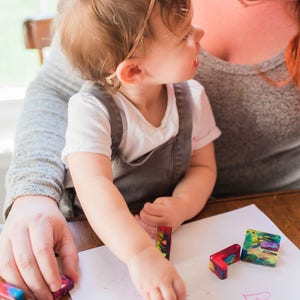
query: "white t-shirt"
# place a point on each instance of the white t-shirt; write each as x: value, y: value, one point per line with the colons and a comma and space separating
x: 88, y: 127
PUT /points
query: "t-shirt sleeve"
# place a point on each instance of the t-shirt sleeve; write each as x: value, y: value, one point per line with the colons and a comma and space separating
x: 88, y: 128
x: 205, y: 129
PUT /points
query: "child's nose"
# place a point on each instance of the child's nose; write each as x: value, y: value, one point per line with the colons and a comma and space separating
x: 199, y: 33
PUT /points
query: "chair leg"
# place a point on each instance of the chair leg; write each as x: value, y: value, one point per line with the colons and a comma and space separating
x: 41, y: 57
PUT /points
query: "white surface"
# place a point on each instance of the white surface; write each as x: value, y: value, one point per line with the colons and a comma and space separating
x: 9, y: 114
x: 103, y: 276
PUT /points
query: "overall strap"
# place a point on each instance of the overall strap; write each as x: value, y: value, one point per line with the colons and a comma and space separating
x: 114, y: 114
x: 184, y: 101
x: 69, y: 204
x: 184, y: 136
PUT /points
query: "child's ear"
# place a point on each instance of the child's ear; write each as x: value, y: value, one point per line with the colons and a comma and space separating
x: 129, y: 71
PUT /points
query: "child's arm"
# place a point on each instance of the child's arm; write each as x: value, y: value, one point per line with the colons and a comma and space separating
x: 189, y: 196
x: 108, y: 214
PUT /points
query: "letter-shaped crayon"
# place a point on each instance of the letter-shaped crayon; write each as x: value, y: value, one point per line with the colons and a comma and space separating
x: 219, y: 261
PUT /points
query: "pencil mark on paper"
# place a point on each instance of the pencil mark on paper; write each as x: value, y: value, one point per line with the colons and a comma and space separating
x: 258, y: 296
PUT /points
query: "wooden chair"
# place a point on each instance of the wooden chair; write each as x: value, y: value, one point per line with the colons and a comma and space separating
x: 38, y: 34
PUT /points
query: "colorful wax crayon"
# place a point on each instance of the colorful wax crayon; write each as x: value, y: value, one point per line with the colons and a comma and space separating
x: 10, y: 292
x: 66, y: 285
x: 261, y: 248
x: 219, y: 261
x: 163, y: 240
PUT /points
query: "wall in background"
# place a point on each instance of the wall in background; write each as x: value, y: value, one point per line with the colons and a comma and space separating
x: 18, y: 66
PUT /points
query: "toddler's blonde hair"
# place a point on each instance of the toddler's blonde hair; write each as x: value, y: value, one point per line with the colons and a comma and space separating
x: 97, y: 35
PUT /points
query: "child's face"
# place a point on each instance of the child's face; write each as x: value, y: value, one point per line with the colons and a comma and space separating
x: 172, y: 56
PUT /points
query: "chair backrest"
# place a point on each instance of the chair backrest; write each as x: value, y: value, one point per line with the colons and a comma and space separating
x: 38, y: 34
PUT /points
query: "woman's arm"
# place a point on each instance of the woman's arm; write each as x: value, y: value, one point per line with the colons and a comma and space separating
x: 36, y: 167
x: 35, y: 229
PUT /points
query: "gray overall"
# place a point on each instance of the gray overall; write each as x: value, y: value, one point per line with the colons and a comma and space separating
x: 153, y: 175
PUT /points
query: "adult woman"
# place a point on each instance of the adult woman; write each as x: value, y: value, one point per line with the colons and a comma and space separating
x: 255, y: 99
x: 235, y: 33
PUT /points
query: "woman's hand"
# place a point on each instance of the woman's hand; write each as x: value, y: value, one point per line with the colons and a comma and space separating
x: 33, y: 233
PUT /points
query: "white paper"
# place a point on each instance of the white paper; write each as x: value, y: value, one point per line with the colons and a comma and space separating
x: 103, y: 276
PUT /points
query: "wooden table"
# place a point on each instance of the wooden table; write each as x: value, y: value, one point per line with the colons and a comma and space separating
x: 283, y: 208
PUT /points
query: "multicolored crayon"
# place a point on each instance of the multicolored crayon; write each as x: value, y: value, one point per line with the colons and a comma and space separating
x: 10, y: 292
x: 163, y: 240
x: 66, y: 285
x: 219, y: 261
x: 261, y: 248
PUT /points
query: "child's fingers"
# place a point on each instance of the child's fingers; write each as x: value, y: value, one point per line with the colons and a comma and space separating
x: 154, y: 209
x: 155, y: 295
x: 151, y: 230
x: 180, y: 289
x: 168, y: 293
x: 151, y: 220
x: 175, y: 291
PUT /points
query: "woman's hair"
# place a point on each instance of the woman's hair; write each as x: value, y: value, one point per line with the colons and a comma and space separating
x: 97, y: 35
x: 292, y: 53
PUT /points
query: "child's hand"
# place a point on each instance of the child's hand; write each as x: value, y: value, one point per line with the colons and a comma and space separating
x: 165, y: 211
x: 155, y: 277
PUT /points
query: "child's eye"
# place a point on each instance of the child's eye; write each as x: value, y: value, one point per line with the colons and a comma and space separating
x: 188, y: 34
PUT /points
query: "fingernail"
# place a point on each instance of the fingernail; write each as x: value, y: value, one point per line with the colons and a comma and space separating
x: 54, y: 287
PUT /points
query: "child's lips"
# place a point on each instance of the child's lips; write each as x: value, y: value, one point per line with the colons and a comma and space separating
x: 196, y: 63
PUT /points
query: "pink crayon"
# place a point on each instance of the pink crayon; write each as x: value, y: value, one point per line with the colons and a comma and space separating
x: 10, y: 292
x: 66, y: 285
x: 219, y: 261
